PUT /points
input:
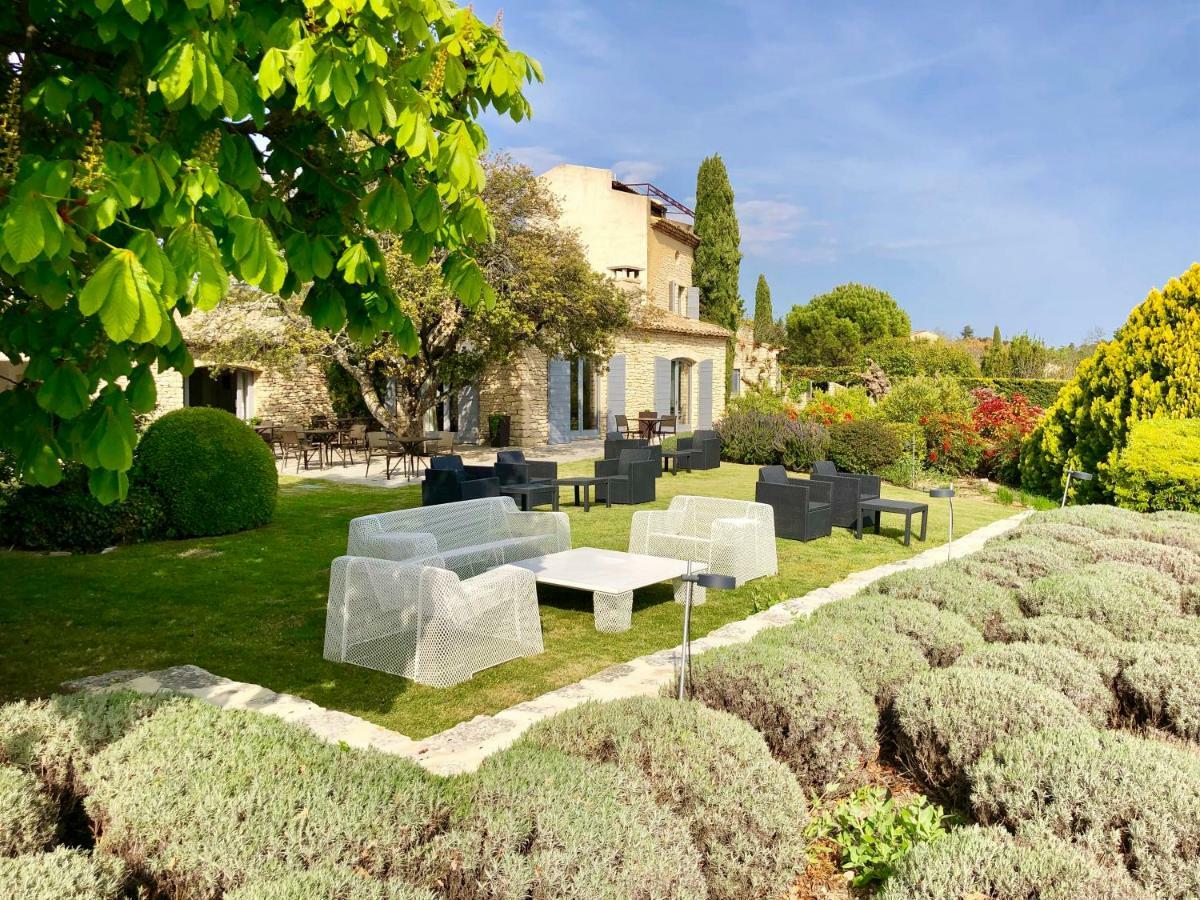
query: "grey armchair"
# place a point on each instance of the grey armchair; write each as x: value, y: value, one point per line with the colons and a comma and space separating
x: 803, y: 509
x: 447, y: 480
x: 847, y: 489
x: 705, y: 447
x: 513, y: 468
x: 614, y: 444
x: 630, y: 477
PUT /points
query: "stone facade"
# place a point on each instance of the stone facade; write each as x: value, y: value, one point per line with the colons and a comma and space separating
x: 289, y: 396
x: 670, y: 268
x: 519, y: 390
x: 756, y: 363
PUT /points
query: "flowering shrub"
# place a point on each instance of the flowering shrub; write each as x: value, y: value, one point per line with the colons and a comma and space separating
x: 844, y: 406
x: 766, y: 439
x: 1002, y: 423
x: 953, y: 446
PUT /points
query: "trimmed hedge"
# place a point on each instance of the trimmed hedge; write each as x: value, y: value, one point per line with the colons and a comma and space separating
x: 1016, y: 563
x: 62, y: 875
x: 976, y: 862
x: 812, y: 714
x: 1124, y: 800
x: 1160, y: 687
x: 760, y: 438
x: 200, y: 800
x: 1090, y: 640
x: 1182, y: 565
x: 1159, y: 467
x: 879, y: 659
x: 1070, y: 673
x: 28, y: 818
x: 53, y: 739
x: 1038, y: 391
x: 539, y: 823
x: 213, y: 474
x: 1056, y: 533
x: 941, y: 636
x: 68, y: 517
x: 1133, y: 602
x: 746, y: 812
x: 1110, y: 520
x: 947, y: 717
x: 983, y: 604
x: 863, y: 445
x: 328, y: 883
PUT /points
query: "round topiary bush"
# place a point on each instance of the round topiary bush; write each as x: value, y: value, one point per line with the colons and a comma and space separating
x: 201, y: 800
x: 1160, y: 687
x: 746, y: 812
x: 28, y: 817
x: 539, y: 823
x: 942, y: 636
x: 1095, y: 642
x: 1056, y: 532
x: 947, y: 717
x: 328, y: 883
x: 879, y: 659
x: 1123, y: 800
x: 976, y: 862
x: 213, y: 474
x: 1110, y: 520
x: 863, y: 445
x: 1063, y: 670
x: 62, y: 875
x: 984, y: 604
x: 1133, y: 602
x: 1181, y: 564
x: 1014, y: 564
x: 811, y: 712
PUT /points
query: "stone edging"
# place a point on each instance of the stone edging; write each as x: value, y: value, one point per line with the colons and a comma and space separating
x: 463, y: 747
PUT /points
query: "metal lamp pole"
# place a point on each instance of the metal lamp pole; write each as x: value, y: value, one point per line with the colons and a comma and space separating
x: 708, y: 580
x: 1073, y: 475
x: 948, y: 493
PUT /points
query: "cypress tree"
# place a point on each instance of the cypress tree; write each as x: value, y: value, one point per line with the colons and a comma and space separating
x: 719, y: 256
x: 764, y: 315
x: 997, y: 344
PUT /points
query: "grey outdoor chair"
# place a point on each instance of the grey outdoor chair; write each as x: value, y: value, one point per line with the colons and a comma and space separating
x: 513, y: 468
x: 705, y: 447
x: 630, y: 477
x: 447, y: 480
x: 614, y: 444
x: 847, y: 489
x: 803, y: 509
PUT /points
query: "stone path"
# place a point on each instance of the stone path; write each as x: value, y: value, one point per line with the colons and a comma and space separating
x: 463, y: 747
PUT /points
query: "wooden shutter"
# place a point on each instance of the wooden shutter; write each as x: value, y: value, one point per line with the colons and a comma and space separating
x: 662, y: 385
x: 693, y: 303
x: 468, y: 414
x: 616, y: 390
x: 558, y: 401
x: 704, y: 416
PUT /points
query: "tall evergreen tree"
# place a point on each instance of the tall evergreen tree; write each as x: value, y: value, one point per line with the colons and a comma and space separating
x: 996, y: 342
x: 719, y: 256
x: 764, y: 315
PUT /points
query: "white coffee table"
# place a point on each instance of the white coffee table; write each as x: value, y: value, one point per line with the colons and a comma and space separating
x: 612, y: 577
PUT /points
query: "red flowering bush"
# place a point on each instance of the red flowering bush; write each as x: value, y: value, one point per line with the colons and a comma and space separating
x: 953, y: 445
x: 1002, y: 423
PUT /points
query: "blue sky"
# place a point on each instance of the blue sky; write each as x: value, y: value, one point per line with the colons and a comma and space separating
x: 1032, y: 165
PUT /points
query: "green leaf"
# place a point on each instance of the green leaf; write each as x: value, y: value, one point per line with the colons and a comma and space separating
x: 325, y: 306
x: 355, y: 264
x: 173, y: 73
x: 42, y: 467
x: 24, y: 233
x: 65, y: 392
x: 108, y: 487
x: 429, y: 209
x: 141, y: 390
x: 120, y: 292
x: 139, y: 10
x: 270, y: 72
x: 387, y: 207
x: 193, y: 251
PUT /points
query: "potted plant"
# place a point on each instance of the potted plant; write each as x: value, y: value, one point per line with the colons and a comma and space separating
x: 499, y: 429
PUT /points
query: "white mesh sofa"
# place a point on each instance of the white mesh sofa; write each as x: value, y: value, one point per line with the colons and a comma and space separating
x: 425, y: 623
x: 468, y: 538
x: 731, y: 537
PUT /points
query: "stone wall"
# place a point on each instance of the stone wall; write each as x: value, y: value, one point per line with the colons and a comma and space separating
x: 292, y: 395
x: 518, y: 388
x: 758, y: 362
x: 641, y: 348
x: 670, y: 261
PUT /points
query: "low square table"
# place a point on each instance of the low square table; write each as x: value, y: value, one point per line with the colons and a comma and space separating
x: 672, y: 458
x: 906, y: 508
x: 612, y: 577
x: 522, y: 493
x: 587, y: 482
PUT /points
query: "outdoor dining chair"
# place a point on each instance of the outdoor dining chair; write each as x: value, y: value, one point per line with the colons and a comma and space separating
x: 380, y: 445
x: 295, y: 445
x: 624, y: 428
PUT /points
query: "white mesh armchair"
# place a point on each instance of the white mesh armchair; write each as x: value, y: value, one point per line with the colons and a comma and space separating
x: 731, y: 537
x: 468, y: 538
x: 423, y: 622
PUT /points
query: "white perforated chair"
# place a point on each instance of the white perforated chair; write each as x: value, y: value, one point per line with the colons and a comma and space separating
x: 731, y: 537
x: 469, y: 537
x: 425, y: 623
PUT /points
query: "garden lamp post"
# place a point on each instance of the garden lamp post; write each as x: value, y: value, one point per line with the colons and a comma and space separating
x: 710, y: 581
x: 1073, y: 475
x: 948, y: 493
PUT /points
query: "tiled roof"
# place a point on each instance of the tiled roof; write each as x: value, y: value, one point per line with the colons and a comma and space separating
x: 655, y: 318
x: 681, y: 233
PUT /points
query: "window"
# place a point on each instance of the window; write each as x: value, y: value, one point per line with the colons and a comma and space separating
x: 736, y: 386
x: 583, y: 395
x: 681, y: 389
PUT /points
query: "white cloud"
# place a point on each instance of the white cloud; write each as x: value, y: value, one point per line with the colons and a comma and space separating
x: 636, y: 171
x: 771, y: 227
x: 538, y: 158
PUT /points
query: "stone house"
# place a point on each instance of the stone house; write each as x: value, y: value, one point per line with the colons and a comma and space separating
x: 668, y: 361
x: 754, y: 363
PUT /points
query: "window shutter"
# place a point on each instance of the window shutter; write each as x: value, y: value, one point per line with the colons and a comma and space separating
x: 693, y: 303
x: 672, y: 292
x: 662, y: 385
x: 468, y: 414
x: 616, y: 390
x: 558, y: 401
x: 704, y: 418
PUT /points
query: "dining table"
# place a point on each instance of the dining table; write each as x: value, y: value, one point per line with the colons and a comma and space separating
x: 414, y: 449
x: 648, y: 428
x: 323, y: 438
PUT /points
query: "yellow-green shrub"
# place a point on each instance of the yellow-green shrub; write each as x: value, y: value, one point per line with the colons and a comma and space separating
x: 1151, y: 369
x: 1160, y: 466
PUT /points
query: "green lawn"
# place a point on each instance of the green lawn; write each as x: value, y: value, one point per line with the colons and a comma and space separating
x: 251, y: 606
